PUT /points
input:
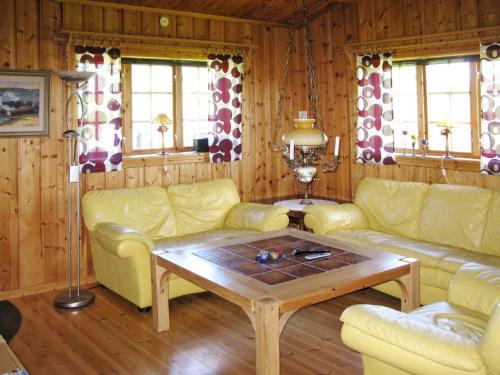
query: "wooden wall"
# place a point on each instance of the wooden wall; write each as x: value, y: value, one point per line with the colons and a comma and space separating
x: 376, y: 20
x: 32, y: 170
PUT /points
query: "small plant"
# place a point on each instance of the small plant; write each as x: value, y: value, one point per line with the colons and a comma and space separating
x: 446, y: 132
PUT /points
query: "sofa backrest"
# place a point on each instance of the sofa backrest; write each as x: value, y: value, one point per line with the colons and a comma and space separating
x: 391, y: 206
x: 454, y: 215
x: 202, y: 206
x: 146, y: 209
x: 491, y: 235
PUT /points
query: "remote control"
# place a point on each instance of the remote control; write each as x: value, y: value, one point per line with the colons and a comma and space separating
x: 325, y: 254
x: 307, y: 251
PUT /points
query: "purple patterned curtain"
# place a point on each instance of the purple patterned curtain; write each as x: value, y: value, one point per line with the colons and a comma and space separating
x: 375, y: 137
x: 225, y: 100
x: 490, y: 109
x: 101, y: 128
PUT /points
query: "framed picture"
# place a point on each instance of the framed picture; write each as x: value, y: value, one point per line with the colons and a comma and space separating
x: 24, y: 103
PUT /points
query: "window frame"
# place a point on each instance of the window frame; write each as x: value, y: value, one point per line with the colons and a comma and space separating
x: 177, y: 95
x: 423, y: 123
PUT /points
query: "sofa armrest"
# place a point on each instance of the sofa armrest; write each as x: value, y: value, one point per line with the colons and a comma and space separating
x: 367, y: 327
x: 256, y: 216
x: 121, y: 241
x: 477, y: 287
x: 323, y: 219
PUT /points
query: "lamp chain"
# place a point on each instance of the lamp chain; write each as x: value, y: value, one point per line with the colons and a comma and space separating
x: 277, y: 121
x: 311, y: 71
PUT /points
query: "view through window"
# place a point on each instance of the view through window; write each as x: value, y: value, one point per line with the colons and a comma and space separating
x: 429, y: 95
x: 177, y: 89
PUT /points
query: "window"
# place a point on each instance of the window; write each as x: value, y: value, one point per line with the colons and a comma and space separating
x: 178, y: 89
x: 430, y: 93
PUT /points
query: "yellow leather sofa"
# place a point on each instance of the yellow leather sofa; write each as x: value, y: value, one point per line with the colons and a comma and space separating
x: 444, y: 226
x: 457, y: 337
x: 125, y: 225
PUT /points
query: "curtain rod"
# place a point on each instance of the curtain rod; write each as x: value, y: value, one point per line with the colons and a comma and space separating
x: 123, y: 37
x: 421, y: 36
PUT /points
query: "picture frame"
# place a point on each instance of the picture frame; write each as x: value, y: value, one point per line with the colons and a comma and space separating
x: 24, y: 103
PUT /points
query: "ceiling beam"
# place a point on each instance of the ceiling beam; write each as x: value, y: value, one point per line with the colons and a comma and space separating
x: 138, y: 8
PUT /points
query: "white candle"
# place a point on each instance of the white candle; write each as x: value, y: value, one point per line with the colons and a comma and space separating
x: 292, y: 149
x: 337, y: 144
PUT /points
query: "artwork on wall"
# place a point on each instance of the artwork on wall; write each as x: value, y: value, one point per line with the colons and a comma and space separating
x: 24, y: 103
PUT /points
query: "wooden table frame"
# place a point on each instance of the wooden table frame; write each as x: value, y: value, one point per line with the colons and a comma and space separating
x: 270, y: 307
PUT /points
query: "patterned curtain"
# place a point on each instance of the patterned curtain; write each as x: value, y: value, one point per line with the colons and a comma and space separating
x: 375, y: 137
x: 225, y: 100
x: 490, y: 109
x: 101, y: 128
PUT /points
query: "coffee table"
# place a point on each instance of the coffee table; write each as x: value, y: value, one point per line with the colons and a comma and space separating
x: 271, y: 293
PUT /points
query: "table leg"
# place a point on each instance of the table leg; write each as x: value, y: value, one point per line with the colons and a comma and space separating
x: 267, y: 330
x: 159, y: 284
x: 410, y: 286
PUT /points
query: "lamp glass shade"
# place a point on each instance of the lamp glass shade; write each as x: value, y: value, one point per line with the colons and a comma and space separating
x: 72, y: 76
x: 162, y: 119
x: 305, y: 134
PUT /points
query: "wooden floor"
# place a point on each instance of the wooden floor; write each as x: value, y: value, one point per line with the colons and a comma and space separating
x: 208, y: 336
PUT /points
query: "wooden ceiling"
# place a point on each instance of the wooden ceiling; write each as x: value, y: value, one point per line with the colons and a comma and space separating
x: 277, y: 11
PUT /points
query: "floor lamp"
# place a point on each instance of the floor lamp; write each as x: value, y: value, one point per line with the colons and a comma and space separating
x: 72, y: 299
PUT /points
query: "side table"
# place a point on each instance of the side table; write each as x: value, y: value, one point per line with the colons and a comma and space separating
x: 296, y: 213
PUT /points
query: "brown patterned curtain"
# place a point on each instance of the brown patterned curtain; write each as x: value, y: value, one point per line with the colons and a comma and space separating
x: 101, y: 129
x: 490, y: 109
x: 225, y: 100
x: 375, y: 138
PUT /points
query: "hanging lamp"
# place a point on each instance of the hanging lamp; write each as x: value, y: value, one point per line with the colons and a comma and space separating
x: 304, y: 146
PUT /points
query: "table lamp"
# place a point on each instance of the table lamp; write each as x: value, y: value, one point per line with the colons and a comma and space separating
x: 162, y: 120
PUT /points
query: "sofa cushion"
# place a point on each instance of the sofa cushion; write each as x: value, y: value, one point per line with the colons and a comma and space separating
x: 200, y: 238
x: 429, y: 254
x: 454, y: 215
x: 453, y: 262
x: 491, y: 236
x: 202, y: 206
x: 391, y: 206
x: 364, y: 237
x: 146, y: 209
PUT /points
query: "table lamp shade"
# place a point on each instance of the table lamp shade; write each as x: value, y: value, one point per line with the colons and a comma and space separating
x: 162, y: 119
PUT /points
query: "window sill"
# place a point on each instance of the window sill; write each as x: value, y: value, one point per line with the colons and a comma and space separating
x: 461, y: 164
x: 149, y: 160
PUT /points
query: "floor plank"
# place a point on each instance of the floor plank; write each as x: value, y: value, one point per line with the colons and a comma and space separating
x: 208, y: 335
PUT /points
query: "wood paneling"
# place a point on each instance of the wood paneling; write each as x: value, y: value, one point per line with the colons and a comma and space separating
x: 277, y: 11
x: 375, y: 20
x: 32, y: 170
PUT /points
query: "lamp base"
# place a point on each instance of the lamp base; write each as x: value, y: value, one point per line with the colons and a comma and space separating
x: 75, y: 301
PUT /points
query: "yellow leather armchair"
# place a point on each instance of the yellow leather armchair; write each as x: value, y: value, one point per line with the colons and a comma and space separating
x: 125, y: 225
x: 460, y: 336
